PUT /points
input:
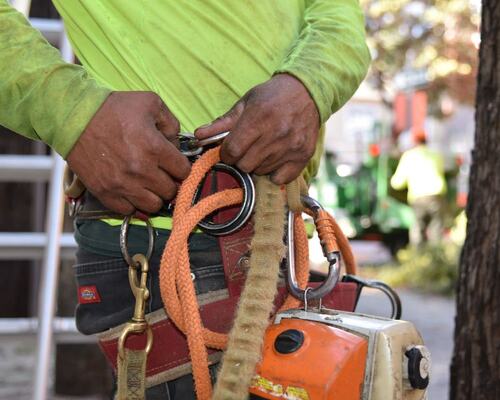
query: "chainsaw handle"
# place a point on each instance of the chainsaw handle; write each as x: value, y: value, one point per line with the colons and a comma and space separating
x: 397, y: 308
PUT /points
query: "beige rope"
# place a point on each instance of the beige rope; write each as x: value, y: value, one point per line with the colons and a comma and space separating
x: 256, y: 302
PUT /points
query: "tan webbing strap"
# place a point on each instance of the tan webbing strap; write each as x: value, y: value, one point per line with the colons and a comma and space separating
x: 131, y: 375
x: 256, y: 303
x: 293, y: 191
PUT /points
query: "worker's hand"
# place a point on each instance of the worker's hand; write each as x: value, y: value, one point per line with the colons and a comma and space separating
x: 127, y: 156
x: 274, y: 129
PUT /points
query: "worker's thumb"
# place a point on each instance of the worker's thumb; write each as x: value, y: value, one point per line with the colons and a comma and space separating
x: 223, y: 123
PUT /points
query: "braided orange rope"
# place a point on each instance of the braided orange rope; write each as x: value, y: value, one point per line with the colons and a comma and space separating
x: 177, y: 289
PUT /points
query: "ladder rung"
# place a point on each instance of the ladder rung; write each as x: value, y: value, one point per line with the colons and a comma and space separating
x: 50, y: 28
x: 31, y: 246
x: 24, y: 168
x: 64, y: 329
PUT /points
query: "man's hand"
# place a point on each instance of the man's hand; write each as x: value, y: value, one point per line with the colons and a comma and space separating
x: 274, y: 129
x: 127, y: 156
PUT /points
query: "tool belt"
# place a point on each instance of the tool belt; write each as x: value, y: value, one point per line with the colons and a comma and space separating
x: 168, y: 357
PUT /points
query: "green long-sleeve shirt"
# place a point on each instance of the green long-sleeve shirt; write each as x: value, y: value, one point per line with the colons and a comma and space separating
x: 200, y: 56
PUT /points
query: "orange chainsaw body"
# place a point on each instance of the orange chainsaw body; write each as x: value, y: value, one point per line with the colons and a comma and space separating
x: 305, y: 360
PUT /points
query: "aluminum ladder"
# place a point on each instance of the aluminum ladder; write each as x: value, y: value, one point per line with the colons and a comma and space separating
x: 49, y: 246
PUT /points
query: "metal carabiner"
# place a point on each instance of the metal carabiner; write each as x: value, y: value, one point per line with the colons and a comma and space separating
x: 138, y: 324
x: 333, y: 262
x: 191, y: 146
x: 314, y: 206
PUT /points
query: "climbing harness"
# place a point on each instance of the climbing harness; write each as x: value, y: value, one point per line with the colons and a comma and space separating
x: 189, y: 334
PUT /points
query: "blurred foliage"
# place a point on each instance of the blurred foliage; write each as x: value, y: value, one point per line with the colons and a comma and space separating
x: 433, y: 269
x: 439, y: 37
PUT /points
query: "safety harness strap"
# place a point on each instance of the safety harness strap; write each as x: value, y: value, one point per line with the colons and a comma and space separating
x: 131, y: 375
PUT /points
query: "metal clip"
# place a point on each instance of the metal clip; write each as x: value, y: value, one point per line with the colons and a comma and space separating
x: 191, y: 146
x: 138, y: 324
x: 333, y: 263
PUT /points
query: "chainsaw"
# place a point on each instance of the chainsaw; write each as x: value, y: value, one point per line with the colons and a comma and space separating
x: 319, y: 353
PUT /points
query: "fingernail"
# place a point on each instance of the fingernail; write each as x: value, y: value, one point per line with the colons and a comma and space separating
x: 205, y: 126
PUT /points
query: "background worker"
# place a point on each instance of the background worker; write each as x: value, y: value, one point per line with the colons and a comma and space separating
x: 421, y: 170
x: 152, y: 69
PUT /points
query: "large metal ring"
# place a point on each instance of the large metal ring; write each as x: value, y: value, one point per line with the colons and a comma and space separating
x: 245, y: 211
x: 124, y: 240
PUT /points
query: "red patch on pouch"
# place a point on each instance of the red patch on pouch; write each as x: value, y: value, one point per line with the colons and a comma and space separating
x: 88, y: 295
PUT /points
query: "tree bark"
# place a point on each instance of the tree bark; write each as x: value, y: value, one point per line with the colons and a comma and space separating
x: 475, y: 370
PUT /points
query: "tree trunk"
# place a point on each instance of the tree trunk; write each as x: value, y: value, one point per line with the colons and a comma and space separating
x: 475, y: 370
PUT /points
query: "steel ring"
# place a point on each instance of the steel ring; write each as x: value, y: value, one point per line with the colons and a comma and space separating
x: 124, y: 240
x: 244, y: 212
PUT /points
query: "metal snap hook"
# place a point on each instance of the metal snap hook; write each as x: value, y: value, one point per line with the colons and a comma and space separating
x: 137, y: 329
x: 138, y: 285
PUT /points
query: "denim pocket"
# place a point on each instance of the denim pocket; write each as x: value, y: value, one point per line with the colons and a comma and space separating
x: 104, y: 295
x: 112, y: 303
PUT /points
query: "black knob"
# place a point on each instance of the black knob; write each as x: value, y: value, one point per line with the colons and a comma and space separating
x: 289, y: 341
x: 418, y: 367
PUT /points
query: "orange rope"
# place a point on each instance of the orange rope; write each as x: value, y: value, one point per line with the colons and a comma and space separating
x: 176, y: 286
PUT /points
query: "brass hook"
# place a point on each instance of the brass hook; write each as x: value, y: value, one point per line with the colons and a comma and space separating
x: 138, y: 323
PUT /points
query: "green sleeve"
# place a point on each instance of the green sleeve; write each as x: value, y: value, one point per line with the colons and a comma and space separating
x: 41, y: 96
x: 330, y: 56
